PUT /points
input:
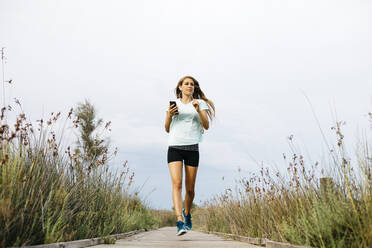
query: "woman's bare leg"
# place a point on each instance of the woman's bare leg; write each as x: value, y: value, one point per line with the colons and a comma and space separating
x: 175, y: 169
x: 190, y: 174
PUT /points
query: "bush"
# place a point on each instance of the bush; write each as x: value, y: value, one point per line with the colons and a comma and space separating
x: 51, y: 193
x: 301, y: 207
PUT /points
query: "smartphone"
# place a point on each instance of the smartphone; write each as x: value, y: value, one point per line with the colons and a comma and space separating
x: 173, y: 103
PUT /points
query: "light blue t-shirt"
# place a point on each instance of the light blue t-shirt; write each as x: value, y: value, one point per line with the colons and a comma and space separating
x: 186, y: 128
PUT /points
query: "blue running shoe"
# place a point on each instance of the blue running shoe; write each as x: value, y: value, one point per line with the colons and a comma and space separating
x: 181, y: 230
x: 188, y: 224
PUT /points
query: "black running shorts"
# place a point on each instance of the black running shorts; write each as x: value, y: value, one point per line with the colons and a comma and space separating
x: 190, y: 157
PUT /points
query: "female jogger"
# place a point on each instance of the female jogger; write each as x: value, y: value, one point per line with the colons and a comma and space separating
x: 185, y: 122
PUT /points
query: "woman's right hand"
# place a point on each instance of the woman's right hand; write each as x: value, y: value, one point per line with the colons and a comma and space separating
x: 173, y: 109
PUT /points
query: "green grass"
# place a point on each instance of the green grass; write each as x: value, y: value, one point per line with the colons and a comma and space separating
x: 164, y: 217
x: 51, y: 194
x: 295, y: 207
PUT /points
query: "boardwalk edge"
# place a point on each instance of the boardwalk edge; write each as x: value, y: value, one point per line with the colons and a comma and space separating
x: 255, y: 241
x: 87, y: 242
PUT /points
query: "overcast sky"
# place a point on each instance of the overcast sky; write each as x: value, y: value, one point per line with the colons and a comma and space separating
x: 256, y: 60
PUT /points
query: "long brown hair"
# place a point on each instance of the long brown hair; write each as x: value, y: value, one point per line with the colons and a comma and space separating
x: 198, y: 94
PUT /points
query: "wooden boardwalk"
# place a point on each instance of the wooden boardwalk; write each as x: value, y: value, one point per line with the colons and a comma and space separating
x: 166, y: 237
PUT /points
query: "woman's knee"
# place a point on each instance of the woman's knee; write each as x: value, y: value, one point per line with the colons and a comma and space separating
x: 177, y: 185
x: 190, y: 192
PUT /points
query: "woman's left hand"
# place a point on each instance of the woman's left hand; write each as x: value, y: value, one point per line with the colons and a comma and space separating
x: 195, y: 103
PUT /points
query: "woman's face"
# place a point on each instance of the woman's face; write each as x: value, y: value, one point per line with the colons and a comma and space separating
x: 187, y: 87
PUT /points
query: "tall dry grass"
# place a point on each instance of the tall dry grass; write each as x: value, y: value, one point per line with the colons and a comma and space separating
x: 169, y: 217
x: 296, y: 207
x: 49, y: 192
x: 164, y: 217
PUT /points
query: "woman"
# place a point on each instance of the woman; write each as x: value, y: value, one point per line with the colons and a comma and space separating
x: 185, y: 122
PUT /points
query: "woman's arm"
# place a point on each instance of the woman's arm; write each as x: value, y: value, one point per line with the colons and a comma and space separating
x: 168, y: 120
x: 204, y: 119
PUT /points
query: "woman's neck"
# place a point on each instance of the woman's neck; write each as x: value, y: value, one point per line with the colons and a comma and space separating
x: 186, y: 99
